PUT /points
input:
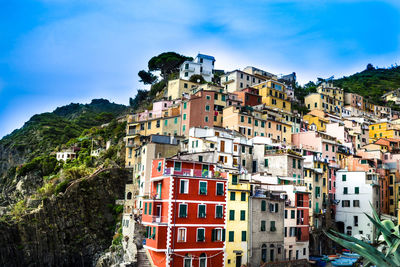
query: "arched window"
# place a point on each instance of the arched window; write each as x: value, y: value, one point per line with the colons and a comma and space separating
x: 187, y: 261
x: 271, y: 252
x: 129, y: 196
x: 264, y: 253
x: 203, y: 260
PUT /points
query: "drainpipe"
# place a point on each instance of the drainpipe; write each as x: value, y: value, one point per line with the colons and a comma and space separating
x: 174, y: 228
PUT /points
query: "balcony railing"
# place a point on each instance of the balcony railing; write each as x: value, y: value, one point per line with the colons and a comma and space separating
x: 188, y: 172
x: 159, y: 219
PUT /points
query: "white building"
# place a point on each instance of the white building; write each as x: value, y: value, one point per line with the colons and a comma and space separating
x: 237, y: 80
x: 66, y: 155
x: 202, y: 65
x: 355, y: 190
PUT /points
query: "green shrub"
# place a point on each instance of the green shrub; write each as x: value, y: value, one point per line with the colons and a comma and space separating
x: 61, y: 187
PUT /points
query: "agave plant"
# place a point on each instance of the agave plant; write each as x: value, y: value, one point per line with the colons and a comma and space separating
x: 387, y: 256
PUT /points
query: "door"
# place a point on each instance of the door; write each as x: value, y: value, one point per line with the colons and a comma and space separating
x: 158, y: 211
x: 222, y: 146
x: 254, y: 166
x: 271, y: 255
x: 159, y: 191
x: 238, y: 260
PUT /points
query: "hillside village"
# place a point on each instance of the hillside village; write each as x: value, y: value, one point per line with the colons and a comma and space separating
x: 227, y: 173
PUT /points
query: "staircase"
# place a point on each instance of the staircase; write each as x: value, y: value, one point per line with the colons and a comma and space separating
x: 142, y: 259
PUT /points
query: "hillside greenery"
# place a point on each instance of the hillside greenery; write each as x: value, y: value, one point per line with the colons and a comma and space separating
x: 43, y: 133
x: 372, y: 83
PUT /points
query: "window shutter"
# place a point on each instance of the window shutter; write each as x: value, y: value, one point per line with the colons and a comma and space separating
x: 223, y: 234
x: 276, y: 207
x: 263, y: 205
x: 213, y: 235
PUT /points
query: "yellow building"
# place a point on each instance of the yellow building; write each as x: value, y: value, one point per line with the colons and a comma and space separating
x: 237, y: 220
x: 178, y: 87
x: 328, y: 98
x: 274, y: 94
x: 392, y: 96
x: 320, y: 123
x: 383, y: 130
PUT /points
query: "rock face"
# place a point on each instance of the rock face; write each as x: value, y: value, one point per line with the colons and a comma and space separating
x: 70, y: 229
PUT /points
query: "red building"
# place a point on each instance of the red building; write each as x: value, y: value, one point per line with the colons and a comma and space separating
x: 303, y: 218
x: 185, y: 217
x: 249, y: 96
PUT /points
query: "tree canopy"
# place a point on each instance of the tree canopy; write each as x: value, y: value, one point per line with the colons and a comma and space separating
x: 197, y: 78
x: 147, y: 77
x: 167, y: 63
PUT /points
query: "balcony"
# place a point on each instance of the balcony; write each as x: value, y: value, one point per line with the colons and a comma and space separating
x: 159, y: 219
x: 132, y: 132
x: 188, y: 172
x: 131, y: 144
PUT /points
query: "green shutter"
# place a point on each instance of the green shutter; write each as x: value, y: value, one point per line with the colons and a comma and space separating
x: 233, y: 195
x: 220, y: 189
x: 154, y: 233
x: 145, y: 208
x: 182, y: 211
x: 272, y: 226
x: 357, y: 190
x: 200, y: 235
x: 266, y: 163
x: 345, y: 190
x: 231, y: 215
x: 263, y: 205
x: 294, y: 163
x: 234, y: 179
x: 292, y: 214
x: 344, y: 177
x: 244, y: 234
x: 262, y: 226
x: 202, y: 211
x: 150, y: 206
x: 218, y: 211
x: 231, y: 236
x: 203, y: 188
x: 243, y: 196
x: 223, y: 234
x: 242, y: 215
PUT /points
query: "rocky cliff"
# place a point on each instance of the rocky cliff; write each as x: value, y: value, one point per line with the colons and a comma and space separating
x: 69, y: 229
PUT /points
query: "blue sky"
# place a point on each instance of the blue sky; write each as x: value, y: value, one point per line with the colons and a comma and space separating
x: 54, y: 52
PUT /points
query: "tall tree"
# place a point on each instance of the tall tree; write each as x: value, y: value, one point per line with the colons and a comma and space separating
x: 167, y: 63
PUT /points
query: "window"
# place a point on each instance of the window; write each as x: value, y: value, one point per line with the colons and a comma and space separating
x: 218, y: 211
x: 244, y: 235
x: 356, y: 190
x: 208, y: 97
x: 263, y: 205
x: 181, y: 234
x: 184, y: 187
x: 231, y: 236
x: 299, y: 164
x: 185, y: 105
x: 241, y: 118
x: 355, y: 220
x: 234, y: 179
x: 205, y: 118
x: 243, y: 196
x: 201, y: 211
x: 356, y: 203
x: 233, y: 196
x: 345, y: 203
x: 159, y: 166
x: 262, y: 226
x: 202, y: 188
x: 177, y: 166
x: 231, y: 215
x: 182, y: 210
x: 183, y: 128
x: 217, y: 234
x: 145, y: 208
x: 272, y: 226
x: 249, y: 120
x: 203, y: 260
x: 184, y: 116
x: 344, y: 177
x: 345, y: 190
x: 220, y: 189
x: 201, y: 235
x: 207, y: 108
x: 242, y: 215
x: 266, y: 163
x: 150, y: 207
x: 292, y: 214
x: 294, y: 163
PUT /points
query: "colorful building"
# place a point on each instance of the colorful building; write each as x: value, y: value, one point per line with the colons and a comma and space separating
x: 185, y: 215
x: 274, y: 95
x: 237, y: 223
